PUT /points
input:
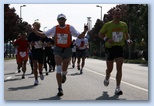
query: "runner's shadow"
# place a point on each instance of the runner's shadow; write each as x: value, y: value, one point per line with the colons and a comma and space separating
x: 52, y: 98
x: 73, y: 74
x: 144, y: 65
x: 9, y: 73
x: 70, y: 67
x: 28, y: 74
x: 105, y: 96
x: 21, y: 88
x: 15, y: 79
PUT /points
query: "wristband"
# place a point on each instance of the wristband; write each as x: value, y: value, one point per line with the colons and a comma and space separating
x: 128, y: 40
x: 105, y: 39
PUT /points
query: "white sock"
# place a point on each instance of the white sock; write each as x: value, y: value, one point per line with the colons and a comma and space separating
x: 118, y: 87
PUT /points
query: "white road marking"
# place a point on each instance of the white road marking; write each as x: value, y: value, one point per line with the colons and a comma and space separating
x: 8, y: 77
x: 146, y: 90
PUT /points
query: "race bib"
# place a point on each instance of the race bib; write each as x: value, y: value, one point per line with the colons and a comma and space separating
x: 62, y: 38
x: 117, y: 36
x: 38, y: 44
x: 22, y: 54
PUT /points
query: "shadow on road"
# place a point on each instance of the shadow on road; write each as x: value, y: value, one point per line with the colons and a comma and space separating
x: 15, y: 79
x: 73, y: 74
x: 144, y: 65
x: 21, y: 88
x: 70, y: 67
x: 105, y: 96
x: 51, y: 98
x: 9, y: 73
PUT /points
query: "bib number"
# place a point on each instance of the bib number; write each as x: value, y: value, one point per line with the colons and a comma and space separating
x: 22, y: 54
x: 117, y: 36
x: 38, y: 44
x: 62, y: 38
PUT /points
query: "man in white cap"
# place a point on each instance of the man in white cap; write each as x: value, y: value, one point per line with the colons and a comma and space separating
x: 62, y: 35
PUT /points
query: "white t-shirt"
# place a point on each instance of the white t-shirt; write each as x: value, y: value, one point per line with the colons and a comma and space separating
x: 74, y: 47
x: 81, y: 43
x: 51, y: 32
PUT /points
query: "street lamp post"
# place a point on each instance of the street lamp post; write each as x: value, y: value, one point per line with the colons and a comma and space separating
x: 21, y: 10
x: 89, y: 28
x: 101, y: 10
x: 36, y: 20
x: 101, y: 20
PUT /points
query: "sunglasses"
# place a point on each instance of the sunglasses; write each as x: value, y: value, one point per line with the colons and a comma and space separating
x: 61, y: 19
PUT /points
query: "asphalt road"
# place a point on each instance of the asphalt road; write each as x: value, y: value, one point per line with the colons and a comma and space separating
x: 88, y: 86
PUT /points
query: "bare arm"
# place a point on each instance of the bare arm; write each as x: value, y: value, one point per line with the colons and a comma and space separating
x: 127, y: 36
x: 103, y: 37
x: 82, y: 35
x: 128, y: 39
x: 38, y: 33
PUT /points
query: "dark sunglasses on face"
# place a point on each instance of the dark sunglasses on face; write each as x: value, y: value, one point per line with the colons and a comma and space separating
x: 61, y: 19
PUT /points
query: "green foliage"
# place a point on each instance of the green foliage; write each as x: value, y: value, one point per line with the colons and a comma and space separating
x: 11, y: 21
x: 13, y: 25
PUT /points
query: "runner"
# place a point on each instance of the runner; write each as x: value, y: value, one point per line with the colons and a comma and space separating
x: 22, y: 47
x: 36, y: 43
x: 82, y: 45
x: 53, y: 63
x: 114, y: 34
x: 31, y: 60
x: 62, y: 34
x: 18, y: 67
x: 73, y: 53
x: 48, y: 55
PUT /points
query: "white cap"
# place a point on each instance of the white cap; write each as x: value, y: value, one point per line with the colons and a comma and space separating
x: 61, y: 16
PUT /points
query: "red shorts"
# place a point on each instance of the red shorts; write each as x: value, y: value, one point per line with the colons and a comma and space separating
x: 22, y: 56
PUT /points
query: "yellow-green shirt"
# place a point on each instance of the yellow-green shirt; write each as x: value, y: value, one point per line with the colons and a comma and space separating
x: 116, y: 32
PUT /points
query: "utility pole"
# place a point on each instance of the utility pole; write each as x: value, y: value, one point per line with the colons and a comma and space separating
x: 21, y: 10
x: 101, y: 20
x: 89, y: 22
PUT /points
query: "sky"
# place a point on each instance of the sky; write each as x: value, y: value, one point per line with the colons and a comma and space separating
x: 76, y: 14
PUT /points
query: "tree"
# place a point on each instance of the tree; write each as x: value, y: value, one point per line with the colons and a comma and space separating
x: 136, y: 17
x: 11, y: 21
x: 13, y: 25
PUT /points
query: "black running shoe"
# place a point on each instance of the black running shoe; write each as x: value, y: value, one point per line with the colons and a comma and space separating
x: 118, y: 92
x: 23, y: 76
x: 32, y: 72
x: 63, y: 78
x: 73, y: 66
x: 19, y: 71
x: 53, y: 69
x: 81, y: 71
x: 50, y: 70
x: 41, y: 76
x: 78, y: 67
x: 36, y: 82
x: 60, y: 92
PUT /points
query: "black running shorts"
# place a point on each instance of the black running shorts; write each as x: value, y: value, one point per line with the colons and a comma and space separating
x: 114, y: 52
